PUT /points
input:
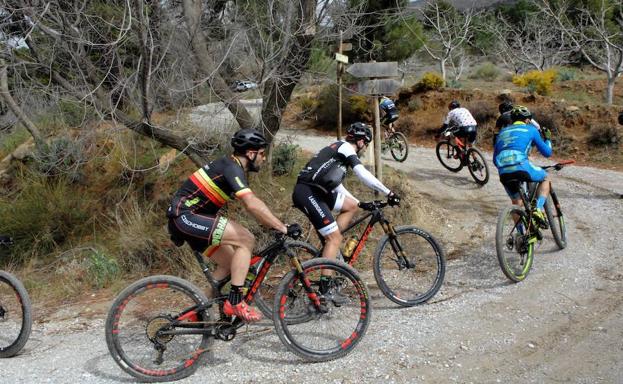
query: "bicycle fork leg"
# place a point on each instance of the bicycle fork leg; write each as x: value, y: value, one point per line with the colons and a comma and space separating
x: 402, y: 259
x: 307, y: 285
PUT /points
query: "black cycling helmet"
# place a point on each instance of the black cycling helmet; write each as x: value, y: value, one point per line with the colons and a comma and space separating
x: 520, y: 113
x: 246, y: 139
x: 357, y: 131
x: 505, y: 106
x: 453, y: 105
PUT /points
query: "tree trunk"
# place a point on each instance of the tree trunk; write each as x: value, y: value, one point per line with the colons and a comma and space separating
x: 5, y: 94
x: 442, y: 68
x: 610, y: 89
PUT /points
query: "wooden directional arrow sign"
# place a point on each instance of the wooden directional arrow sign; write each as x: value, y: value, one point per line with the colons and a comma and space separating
x: 382, y: 69
x: 379, y: 86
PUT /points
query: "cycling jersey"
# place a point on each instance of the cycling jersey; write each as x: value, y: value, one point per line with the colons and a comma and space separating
x: 319, y: 189
x: 390, y: 111
x: 193, y: 213
x: 460, y: 117
x: 210, y: 187
x: 511, y: 151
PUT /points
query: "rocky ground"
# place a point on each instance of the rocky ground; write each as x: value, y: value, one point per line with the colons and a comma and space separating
x: 564, y: 323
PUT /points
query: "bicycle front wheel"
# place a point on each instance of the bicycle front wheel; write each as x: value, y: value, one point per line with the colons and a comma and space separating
x: 477, y: 166
x: 409, y: 268
x: 556, y: 219
x: 265, y: 295
x: 513, y: 243
x: 149, y: 328
x: 15, y: 315
x: 398, y: 146
x: 449, y: 156
x: 336, y: 320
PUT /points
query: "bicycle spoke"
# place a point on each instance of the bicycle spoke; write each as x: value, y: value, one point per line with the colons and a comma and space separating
x: 514, y: 245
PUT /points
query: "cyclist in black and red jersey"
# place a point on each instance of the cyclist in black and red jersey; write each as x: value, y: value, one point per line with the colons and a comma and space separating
x: 194, y: 216
x: 319, y: 189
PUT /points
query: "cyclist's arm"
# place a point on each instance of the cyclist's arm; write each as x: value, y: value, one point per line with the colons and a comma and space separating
x: 545, y: 147
x: 262, y: 213
x: 368, y: 179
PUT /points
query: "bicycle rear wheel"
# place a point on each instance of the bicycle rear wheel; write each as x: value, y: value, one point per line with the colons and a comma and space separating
x: 265, y: 296
x: 15, y: 315
x: 333, y: 328
x: 398, y: 146
x: 415, y: 277
x: 556, y: 219
x: 141, y: 323
x: 449, y: 156
x: 477, y: 166
x: 513, y: 243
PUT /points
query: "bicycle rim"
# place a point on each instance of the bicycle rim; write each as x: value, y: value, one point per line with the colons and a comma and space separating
x: 414, y: 278
x: 265, y: 295
x: 514, y: 246
x: 15, y: 315
x: 556, y: 220
x: 138, y: 322
x: 335, y: 329
x: 449, y: 156
x: 398, y: 146
x: 477, y: 166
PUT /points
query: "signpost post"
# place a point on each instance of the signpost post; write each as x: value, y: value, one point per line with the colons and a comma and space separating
x: 379, y: 83
x: 341, y: 60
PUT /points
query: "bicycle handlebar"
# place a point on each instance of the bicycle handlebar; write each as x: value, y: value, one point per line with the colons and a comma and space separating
x: 372, y: 205
x: 559, y: 166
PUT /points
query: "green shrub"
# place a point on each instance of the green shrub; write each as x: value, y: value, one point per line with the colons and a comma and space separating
x: 540, y: 82
x: 566, y: 74
x: 308, y: 106
x: 414, y: 105
x: 455, y: 84
x: 42, y: 214
x: 284, y: 158
x: 354, y: 107
x: 9, y: 142
x: 73, y: 114
x: 486, y: 71
x: 63, y: 156
x: 102, y: 269
x: 603, y: 136
x: 429, y: 82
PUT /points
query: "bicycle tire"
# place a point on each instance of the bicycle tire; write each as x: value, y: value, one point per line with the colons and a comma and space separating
x: 322, y: 327
x: 448, y: 154
x: 398, y: 146
x: 477, y: 166
x: 14, y: 300
x: 265, y: 295
x: 515, y: 250
x: 152, y: 301
x: 409, y: 285
x: 556, y: 220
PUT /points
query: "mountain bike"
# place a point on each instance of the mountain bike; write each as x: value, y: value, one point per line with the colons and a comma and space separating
x: 15, y: 311
x: 517, y: 232
x: 454, y: 154
x: 396, y: 142
x: 159, y: 328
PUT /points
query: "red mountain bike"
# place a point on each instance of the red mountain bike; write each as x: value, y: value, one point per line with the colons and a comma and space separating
x: 159, y: 328
x: 454, y: 154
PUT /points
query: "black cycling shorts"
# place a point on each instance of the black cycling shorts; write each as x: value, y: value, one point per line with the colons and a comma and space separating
x: 468, y: 132
x: 511, y: 180
x: 317, y: 204
x: 200, y: 231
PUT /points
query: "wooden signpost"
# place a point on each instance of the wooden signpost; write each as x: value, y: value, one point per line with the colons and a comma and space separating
x: 379, y: 84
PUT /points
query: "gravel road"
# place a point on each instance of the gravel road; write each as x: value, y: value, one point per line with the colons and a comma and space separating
x: 564, y: 323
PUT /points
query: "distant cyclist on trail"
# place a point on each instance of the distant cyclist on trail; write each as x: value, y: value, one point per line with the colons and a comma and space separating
x: 460, y: 117
x: 389, y: 111
x: 510, y: 156
x: 194, y: 216
x: 319, y: 192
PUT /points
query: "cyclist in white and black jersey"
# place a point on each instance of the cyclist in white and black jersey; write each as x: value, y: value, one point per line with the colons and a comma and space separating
x: 462, y: 118
x: 319, y: 190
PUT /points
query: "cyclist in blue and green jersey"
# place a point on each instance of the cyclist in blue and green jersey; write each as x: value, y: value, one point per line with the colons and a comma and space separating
x: 510, y: 156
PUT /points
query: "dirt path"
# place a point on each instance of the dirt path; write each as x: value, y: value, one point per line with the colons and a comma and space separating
x: 563, y: 324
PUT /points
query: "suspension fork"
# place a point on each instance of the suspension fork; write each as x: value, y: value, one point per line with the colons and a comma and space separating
x: 389, y: 230
x: 307, y: 285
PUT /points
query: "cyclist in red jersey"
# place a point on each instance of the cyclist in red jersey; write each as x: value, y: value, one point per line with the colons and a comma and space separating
x: 194, y: 216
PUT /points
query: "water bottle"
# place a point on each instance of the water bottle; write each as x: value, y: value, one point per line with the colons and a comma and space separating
x: 351, y: 243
